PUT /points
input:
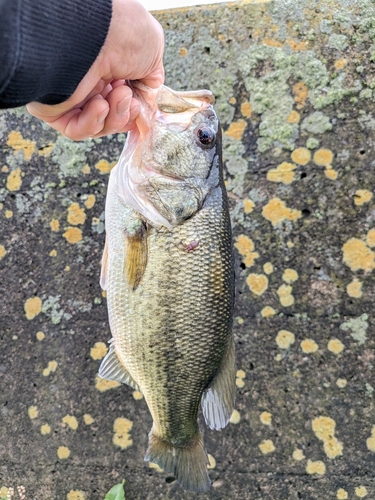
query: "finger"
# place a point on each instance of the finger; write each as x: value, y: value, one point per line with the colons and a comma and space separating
x: 155, y: 78
x: 123, y: 109
x: 79, y: 124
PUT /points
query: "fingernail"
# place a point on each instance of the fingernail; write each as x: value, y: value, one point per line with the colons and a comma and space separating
x: 123, y: 106
x: 103, y: 116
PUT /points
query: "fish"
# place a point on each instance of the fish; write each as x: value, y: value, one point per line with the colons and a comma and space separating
x: 168, y: 272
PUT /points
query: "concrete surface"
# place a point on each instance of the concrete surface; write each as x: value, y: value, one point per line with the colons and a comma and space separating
x: 295, y: 87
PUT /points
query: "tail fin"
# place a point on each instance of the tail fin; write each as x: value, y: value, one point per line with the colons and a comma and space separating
x: 188, y: 463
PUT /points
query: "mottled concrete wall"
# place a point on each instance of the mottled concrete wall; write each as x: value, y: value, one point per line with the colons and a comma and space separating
x: 295, y: 87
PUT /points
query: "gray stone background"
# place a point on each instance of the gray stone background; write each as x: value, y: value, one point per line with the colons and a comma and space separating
x: 295, y: 88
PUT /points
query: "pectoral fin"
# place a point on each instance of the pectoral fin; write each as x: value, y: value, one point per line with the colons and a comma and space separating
x: 104, y: 269
x: 112, y: 369
x: 218, y: 398
x: 136, y: 256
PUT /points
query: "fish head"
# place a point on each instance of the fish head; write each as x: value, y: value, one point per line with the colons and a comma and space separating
x: 170, y: 153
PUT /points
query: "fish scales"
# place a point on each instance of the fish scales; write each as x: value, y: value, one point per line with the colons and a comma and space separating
x: 172, y: 332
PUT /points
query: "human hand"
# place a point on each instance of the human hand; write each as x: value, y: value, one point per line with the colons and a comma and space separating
x: 103, y: 103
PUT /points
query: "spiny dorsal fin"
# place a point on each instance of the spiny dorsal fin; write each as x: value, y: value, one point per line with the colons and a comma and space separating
x: 136, y: 256
x: 112, y: 369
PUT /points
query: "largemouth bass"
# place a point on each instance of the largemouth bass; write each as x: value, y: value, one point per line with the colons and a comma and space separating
x: 168, y: 272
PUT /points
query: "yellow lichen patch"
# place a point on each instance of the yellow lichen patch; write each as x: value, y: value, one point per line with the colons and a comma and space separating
x: 357, y: 255
x: 211, y: 462
x: 268, y: 268
x: 361, y: 491
x: 137, y: 395
x: 298, y: 455
x: 370, y: 442
x: 341, y: 383
x: 301, y: 93
x: 297, y: 46
x: 152, y: 465
x: 354, y: 289
x: 86, y: 169
x: 63, y: 452
x: 341, y: 63
x: 240, y: 320
x: 240, y: 383
x: 46, y: 150
x: 317, y: 467
x: 3, y: 252
x: 290, y: 244
x: 276, y: 211
x: 104, y: 385
x: 235, y: 417
x: 40, y: 335
x: 121, y: 429
x: 370, y: 238
x: 14, y: 180
x: 267, y: 311
x: 76, y: 214
x: 232, y: 100
x: 285, y: 339
x: 271, y: 42
x: 294, y: 117
x: 88, y: 419
x: 283, y: 173
x: 290, y: 275
x: 52, y: 365
x: 342, y: 494
x: 73, y: 235
x: 362, y: 196
x: 324, y: 429
x: 4, y: 492
x: 308, y: 346
x: 104, y: 166
x: 267, y: 446
x: 67, y: 268
x: 18, y: 143
x: 8, y: 214
x: 240, y: 374
x: 183, y: 51
x: 70, y: 421
x: 33, y: 307
x: 33, y: 412
x: 301, y: 156
x: 248, y: 206
x: 330, y: 173
x: 323, y: 157
x: 335, y: 346
x: 75, y: 495
x: 45, y: 429
x: 99, y: 350
x: 246, y: 109
x: 90, y: 202
x: 245, y: 246
x: 258, y: 283
x: 285, y: 295
x: 53, y: 253
x: 54, y: 225
x: 236, y: 129
x: 266, y: 418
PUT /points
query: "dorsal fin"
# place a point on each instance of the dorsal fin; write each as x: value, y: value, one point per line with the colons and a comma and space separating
x: 136, y: 256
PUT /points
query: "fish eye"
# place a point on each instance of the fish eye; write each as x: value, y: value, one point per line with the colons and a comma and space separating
x: 205, y: 136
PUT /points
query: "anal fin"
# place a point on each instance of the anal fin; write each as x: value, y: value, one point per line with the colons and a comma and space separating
x: 112, y: 369
x: 218, y: 398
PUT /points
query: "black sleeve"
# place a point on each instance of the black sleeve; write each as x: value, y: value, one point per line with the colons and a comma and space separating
x: 47, y: 47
